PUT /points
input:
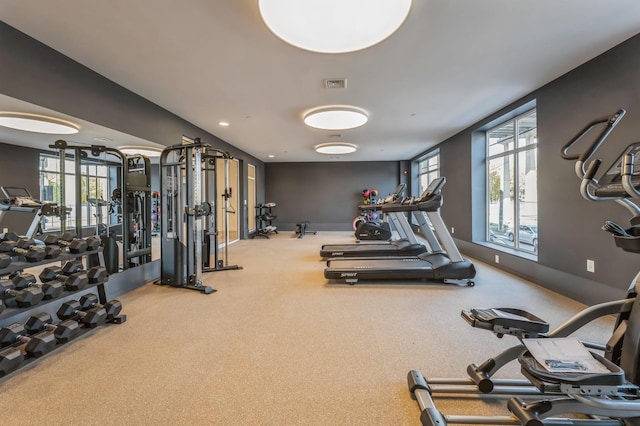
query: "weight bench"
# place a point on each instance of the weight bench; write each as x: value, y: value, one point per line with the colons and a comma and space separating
x: 302, y: 229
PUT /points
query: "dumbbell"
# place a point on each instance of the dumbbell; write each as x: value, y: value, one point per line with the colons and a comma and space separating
x: 29, y: 296
x: 75, y: 245
x: 91, y: 318
x: 31, y: 254
x: 37, y: 345
x: 72, y: 282
x: 96, y: 274
x: 112, y: 307
x: 51, y: 289
x: 5, y: 261
x: 50, y: 252
x: 63, y: 332
x: 10, y: 360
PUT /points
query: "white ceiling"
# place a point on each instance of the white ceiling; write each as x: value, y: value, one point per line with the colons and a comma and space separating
x: 452, y: 63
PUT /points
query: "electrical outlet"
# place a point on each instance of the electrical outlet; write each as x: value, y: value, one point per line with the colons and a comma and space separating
x: 591, y: 265
x: 497, y: 259
x: 453, y: 230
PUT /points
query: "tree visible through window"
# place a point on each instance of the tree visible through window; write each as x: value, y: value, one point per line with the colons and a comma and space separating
x: 512, y: 195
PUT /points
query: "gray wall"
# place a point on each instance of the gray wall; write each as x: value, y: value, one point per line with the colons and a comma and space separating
x: 569, y: 225
x: 326, y: 194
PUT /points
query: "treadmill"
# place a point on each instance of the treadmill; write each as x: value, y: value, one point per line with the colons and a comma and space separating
x: 406, y: 245
x: 440, y: 264
x: 14, y: 199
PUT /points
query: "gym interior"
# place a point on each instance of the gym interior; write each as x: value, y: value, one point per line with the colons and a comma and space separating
x: 190, y: 288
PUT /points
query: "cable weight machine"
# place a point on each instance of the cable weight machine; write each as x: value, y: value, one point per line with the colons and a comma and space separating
x: 188, y: 181
x: 133, y: 201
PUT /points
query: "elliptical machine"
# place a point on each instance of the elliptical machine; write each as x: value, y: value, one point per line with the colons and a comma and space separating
x: 611, y: 398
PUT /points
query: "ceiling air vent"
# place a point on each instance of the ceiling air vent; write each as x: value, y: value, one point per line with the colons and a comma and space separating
x: 335, y: 83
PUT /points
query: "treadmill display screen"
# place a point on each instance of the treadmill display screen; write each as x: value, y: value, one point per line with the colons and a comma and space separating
x: 13, y: 192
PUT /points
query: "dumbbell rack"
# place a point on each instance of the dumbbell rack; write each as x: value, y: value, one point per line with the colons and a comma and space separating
x: 17, y: 314
x: 20, y: 265
x: 265, y: 218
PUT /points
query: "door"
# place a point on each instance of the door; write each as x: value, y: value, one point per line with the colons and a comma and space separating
x: 227, y: 190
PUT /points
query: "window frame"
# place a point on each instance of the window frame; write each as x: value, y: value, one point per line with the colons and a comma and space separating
x: 100, y: 174
x: 514, y: 153
x: 431, y: 171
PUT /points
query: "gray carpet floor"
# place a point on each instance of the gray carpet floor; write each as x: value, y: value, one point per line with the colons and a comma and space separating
x: 276, y: 345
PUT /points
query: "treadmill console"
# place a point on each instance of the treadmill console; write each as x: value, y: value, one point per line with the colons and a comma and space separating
x: 434, y: 187
x: 395, y: 194
x: 18, y: 197
x: 611, y: 183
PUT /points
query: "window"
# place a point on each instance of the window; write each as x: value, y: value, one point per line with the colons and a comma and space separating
x: 512, y: 195
x: 94, y: 186
x: 429, y: 169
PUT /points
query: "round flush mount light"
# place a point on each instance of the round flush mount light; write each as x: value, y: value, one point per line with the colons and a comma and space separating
x: 333, y: 26
x: 334, y: 148
x: 37, y: 123
x: 335, y: 118
x: 140, y: 150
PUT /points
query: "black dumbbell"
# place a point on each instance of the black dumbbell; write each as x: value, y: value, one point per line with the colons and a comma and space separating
x: 91, y: 318
x: 112, y: 307
x: 50, y: 252
x: 37, y: 345
x: 29, y: 296
x: 63, y: 332
x: 72, y: 282
x: 96, y: 274
x: 5, y: 261
x: 33, y: 254
x: 10, y: 360
x: 75, y: 244
x: 51, y: 289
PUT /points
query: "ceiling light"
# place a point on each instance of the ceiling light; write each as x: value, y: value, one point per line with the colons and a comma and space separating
x: 333, y: 26
x: 335, y: 118
x: 224, y: 123
x: 37, y: 123
x: 142, y: 150
x: 333, y: 148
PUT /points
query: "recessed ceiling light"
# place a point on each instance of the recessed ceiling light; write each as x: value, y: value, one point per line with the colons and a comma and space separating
x: 271, y: 156
x: 224, y: 123
x: 333, y: 26
x: 37, y: 123
x: 335, y: 117
x: 142, y: 150
x: 333, y: 148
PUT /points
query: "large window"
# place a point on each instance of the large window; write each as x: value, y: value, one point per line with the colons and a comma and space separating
x: 94, y: 186
x: 512, y: 196
x: 429, y: 169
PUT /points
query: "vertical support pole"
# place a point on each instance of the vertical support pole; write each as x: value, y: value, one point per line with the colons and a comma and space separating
x: 126, y: 212
x: 63, y: 201
x: 197, y: 202
x: 77, y: 152
x: 226, y: 195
